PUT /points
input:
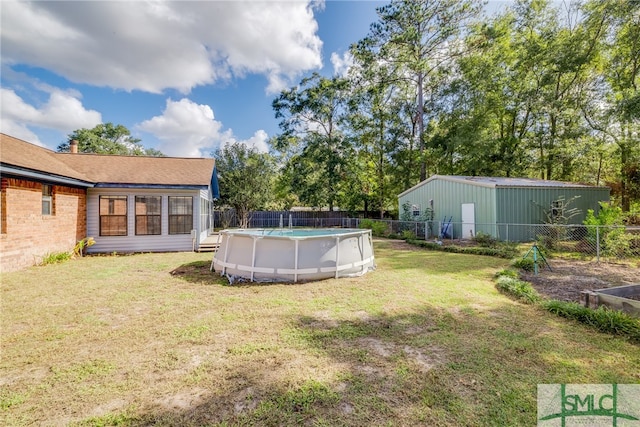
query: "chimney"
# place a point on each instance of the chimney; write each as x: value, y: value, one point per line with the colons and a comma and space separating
x: 73, y: 146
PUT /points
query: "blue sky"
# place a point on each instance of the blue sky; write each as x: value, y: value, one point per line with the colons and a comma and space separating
x: 184, y: 77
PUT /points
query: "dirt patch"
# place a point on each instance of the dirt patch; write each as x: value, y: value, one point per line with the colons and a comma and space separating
x: 567, y: 278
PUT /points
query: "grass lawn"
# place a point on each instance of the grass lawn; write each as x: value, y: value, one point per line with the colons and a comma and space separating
x: 426, y: 339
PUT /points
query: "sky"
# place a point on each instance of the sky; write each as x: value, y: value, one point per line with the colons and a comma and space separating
x: 184, y: 77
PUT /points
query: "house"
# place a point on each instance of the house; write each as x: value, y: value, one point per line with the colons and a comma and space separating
x: 49, y: 201
x: 486, y: 204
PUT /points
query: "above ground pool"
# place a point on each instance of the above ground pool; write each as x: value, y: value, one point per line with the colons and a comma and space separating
x: 293, y: 255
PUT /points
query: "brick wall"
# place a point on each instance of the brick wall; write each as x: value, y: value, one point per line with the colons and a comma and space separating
x: 26, y: 235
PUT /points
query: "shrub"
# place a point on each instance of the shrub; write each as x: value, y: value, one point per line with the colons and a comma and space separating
x: 87, y: 242
x: 525, y: 264
x: 55, y: 258
x: 603, y: 319
x: 486, y: 240
x: 378, y: 228
x: 507, y: 272
x: 408, y: 235
x: 522, y: 291
x: 503, y: 251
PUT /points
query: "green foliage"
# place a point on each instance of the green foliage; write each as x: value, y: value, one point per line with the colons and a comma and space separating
x: 79, y: 248
x: 304, y: 398
x: 519, y: 289
x: 408, y: 235
x: 503, y: 251
x: 525, y: 264
x: 315, y: 150
x: 245, y: 177
x: 608, y: 226
x: 607, y: 215
x: 603, y: 319
x: 55, y: 258
x: 486, y: 240
x: 107, y: 138
x: 507, y: 272
x: 378, y: 228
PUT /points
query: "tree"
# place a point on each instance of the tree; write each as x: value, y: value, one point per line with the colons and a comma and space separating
x: 107, y: 138
x: 375, y: 123
x: 615, y: 110
x: 246, y: 179
x: 418, y: 38
x: 310, y: 117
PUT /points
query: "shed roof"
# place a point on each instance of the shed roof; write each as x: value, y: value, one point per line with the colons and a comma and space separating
x: 501, y: 182
x: 107, y: 169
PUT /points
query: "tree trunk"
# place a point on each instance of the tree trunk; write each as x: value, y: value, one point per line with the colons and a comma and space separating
x: 423, y: 161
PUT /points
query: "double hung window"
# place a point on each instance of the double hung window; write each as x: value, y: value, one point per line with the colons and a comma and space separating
x: 180, y: 214
x: 47, y: 199
x: 113, y: 215
x: 148, y: 211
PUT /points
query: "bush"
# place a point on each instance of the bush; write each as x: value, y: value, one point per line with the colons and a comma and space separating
x: 525, y: 264
x: 378, y: 228
x: 503, y: 251
x: 507, y: 273
x: 603, y: 319
x: 522, y: 291
x: 408, y: 235
x: 486, y: 240
x: 56, y: 258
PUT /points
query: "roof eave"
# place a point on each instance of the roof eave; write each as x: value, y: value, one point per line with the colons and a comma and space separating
x: 20, y: 172
x: 152, y: 186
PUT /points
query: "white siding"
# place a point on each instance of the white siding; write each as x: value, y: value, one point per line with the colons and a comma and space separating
x: 131, y: 242
x: 203, y: 230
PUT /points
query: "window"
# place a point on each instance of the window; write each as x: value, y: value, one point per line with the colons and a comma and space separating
x: 180, y: 214
x: 148, y: 210
x: 113, y: 215
x: 47, y: 199
x: 415, y: 209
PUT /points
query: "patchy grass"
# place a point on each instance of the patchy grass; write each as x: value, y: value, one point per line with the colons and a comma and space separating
x: 155, y: 339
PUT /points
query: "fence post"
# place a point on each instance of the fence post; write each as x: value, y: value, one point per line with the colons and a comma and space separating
x: 598, y: 243
x: 507, y: 231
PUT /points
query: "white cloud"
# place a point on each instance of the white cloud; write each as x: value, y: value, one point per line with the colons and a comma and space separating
x: 151, y: 46
x: 188, y: 129
x: 259, y: 141
x: 341, y: 64
x: 62, y: 111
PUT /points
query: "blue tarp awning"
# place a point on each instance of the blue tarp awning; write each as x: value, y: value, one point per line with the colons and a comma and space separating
x: 215, y: 188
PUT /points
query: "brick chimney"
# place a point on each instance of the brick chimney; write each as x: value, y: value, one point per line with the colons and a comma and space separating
x: 73, y: 146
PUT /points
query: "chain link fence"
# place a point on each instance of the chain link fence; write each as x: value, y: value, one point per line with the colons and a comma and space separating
x: 599, y: 242
x: 607, y: 243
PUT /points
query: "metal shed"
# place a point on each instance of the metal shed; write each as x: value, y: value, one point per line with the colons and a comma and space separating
x: 486, y: 204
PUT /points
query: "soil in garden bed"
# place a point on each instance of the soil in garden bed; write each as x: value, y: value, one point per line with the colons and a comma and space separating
x: 569, y: 277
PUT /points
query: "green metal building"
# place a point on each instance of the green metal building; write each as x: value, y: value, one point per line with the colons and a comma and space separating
x: 499, y: 206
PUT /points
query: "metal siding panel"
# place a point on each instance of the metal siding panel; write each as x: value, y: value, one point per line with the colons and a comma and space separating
x: 448, y: 198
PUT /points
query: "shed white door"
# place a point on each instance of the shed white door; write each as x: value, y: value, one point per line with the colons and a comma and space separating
x: 468, y: 220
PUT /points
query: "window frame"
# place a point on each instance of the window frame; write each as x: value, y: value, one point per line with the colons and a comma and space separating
x: 47, y: 197
x: 113, y: 215
x: 172, y: 217
x: 156, y: 217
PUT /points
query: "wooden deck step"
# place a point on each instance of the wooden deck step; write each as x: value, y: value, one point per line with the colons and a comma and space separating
x: 208, y: 247
x: 210, y: 244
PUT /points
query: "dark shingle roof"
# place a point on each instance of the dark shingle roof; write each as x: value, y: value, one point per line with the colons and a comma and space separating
x: 107, y: 169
